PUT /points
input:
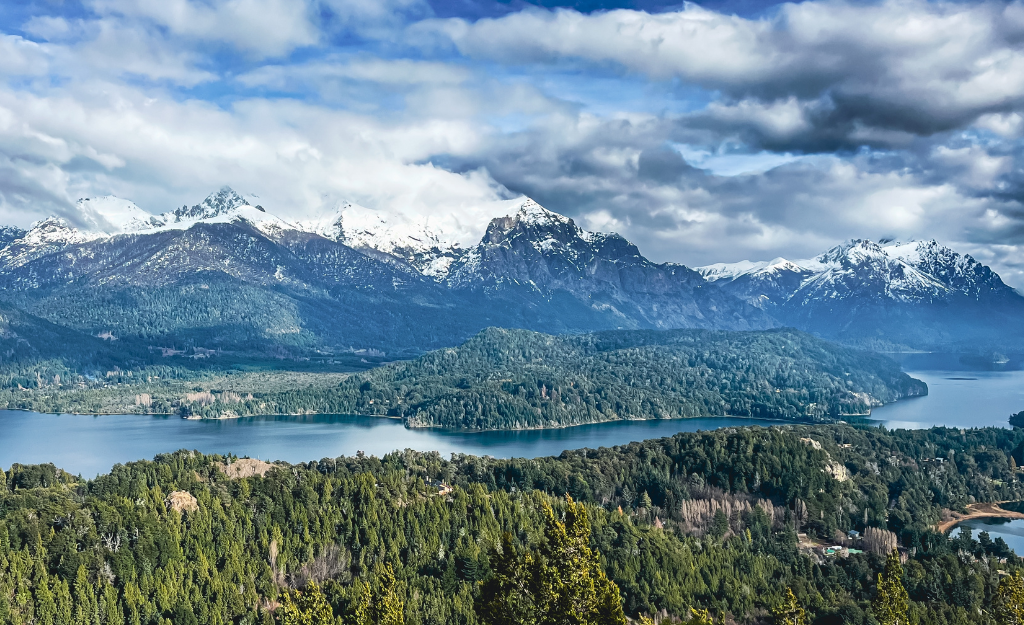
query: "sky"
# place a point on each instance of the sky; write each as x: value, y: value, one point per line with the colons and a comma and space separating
x: 703, y: 132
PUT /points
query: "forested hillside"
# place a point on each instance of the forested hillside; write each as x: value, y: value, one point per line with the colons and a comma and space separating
x: 697, y: 521
x: 515, y: 379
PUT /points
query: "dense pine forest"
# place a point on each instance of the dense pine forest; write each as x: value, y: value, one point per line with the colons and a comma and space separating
x: 727, y: 525
x: 513, y: 379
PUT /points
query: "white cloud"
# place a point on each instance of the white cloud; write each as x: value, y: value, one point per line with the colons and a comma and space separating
x: 909, y: 65
x: 262, y: 28
x: 19, y: 57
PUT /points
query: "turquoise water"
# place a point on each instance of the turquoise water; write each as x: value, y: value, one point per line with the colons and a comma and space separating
x: 92, y: 444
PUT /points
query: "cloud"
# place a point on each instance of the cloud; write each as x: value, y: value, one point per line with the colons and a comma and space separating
x: 261, y: 28
x: 813, y: 76
x: 19, y: 57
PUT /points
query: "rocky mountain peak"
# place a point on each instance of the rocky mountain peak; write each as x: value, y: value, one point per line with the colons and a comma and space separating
x: 853, y: 252
x: 223, y: 202
x: 53, y: 230
x: 534, y: 221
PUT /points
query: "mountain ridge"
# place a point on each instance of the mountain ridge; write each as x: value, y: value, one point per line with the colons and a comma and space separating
x: 234, y: 276
x: 917, y: 293
x: 289, y: 282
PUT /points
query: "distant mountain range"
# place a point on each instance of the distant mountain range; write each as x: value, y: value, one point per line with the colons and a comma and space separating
x: 228, y: 275
x: 918, y: 294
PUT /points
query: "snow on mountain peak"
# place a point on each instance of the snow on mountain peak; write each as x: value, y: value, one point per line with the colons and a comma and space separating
x: 530, y: 212
x: 55, y: 230
x: 112, y: 215
x: 223, y: 202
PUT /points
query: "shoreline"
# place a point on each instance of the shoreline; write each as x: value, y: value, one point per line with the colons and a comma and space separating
x: 430, y: 427
x: 979, y: 511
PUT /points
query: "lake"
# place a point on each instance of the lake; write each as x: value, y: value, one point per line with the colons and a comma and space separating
x: 90, y: 445
x: 960, y: 399
x: 1012, y: 531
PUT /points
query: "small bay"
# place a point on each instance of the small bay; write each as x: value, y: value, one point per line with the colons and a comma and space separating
x: 1010, y: 530
x: 957, y: 399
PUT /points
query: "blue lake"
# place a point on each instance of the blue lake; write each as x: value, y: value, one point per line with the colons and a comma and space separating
x: 960, y: 399
x: 91, y: 445
x: 1012, y: 531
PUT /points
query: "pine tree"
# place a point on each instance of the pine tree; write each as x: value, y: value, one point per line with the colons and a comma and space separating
x: 1008, y: 604
x: 380, y: 602
x: 46, y: 606
x: 891, y: 601
x: 388, y: 608
x: 700, y: 617
x: 789, y: 612
x: 508, y: 596
x: 86, y: 608
x: 563, y: 584
x: 609, y: 600
x: 364, y: 607
x: 309, y: 607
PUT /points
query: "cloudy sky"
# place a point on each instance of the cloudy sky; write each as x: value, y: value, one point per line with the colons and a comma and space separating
x: 705, y: 132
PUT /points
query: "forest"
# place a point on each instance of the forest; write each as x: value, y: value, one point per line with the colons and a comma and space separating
x: 725, y: 526
x: 515, y: 379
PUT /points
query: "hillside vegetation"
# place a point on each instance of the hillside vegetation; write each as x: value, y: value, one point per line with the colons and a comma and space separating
x: 695, y: 521
x: 517, y: 379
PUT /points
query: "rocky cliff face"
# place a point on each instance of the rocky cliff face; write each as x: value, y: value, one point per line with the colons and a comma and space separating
x: 541, y: 251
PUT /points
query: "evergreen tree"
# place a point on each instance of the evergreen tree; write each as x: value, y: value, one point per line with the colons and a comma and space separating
x: 388, y: 608
x: 789, y: 612
x: 86, y: 608
x: 309, y: 607
x: 46, y: 606
x: 380, y: 603
x: 891, y: 601
x: 509, y: 596
x: 563, y: 584
x: 1008, y: 604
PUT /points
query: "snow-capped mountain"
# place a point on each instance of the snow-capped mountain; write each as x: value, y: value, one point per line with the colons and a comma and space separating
x: 349, y: 275
x: 535, y: 250
x: 226, y: 273
x: 890, y: 290
x: 411, y: 239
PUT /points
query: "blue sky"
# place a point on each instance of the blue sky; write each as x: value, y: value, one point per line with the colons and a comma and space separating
x: 719, y: 131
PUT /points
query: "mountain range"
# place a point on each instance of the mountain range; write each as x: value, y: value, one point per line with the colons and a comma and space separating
x: 228, y: 275
x: 225, y: 274
x: 920, y: 294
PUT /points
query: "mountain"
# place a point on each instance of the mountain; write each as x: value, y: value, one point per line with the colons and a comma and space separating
x: 917, y: 294
x: 537, y: 250
x: 229, y: 275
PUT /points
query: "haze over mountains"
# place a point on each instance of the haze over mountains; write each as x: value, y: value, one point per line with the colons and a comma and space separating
x: 227, y: 274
